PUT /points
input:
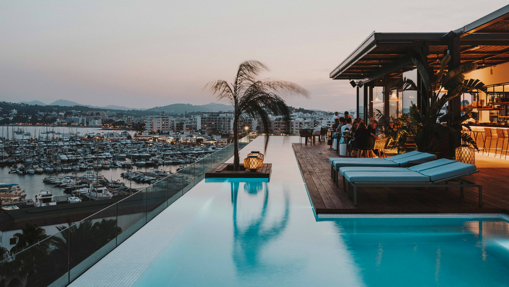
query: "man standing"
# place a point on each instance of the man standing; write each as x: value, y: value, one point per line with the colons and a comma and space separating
x: 347, y: 115
x: 334, y: 117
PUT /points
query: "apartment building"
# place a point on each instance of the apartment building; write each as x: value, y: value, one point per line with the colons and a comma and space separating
x: 158, y: 123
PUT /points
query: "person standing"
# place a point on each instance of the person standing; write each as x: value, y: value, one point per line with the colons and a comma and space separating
x: 334, y: 117
x: 348, y: 126
x: 347, y: 115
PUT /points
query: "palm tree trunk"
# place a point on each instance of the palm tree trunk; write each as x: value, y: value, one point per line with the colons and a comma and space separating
x: 236, y: 159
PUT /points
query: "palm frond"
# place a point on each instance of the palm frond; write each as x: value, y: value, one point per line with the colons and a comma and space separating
x: 469, y: 140
x: 221, y: 89
x: 246, y: 74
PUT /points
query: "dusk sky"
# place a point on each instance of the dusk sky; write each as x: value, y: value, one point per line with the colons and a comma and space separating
x: 143, y: 54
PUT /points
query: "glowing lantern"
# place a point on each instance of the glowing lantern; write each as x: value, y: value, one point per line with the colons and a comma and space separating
x: 252, y: 162
x: 465, y: 154
x: 259, y: 155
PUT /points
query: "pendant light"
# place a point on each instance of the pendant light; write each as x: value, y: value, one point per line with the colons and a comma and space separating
x: 376, y: 100
x: 393, y: 98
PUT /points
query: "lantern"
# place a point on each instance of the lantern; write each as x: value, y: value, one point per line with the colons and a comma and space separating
x: 465, y: 154
x: 252, y: 162
x: 259, y: 155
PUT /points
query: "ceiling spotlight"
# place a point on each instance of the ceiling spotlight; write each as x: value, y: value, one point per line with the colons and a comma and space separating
x: 353, y: 83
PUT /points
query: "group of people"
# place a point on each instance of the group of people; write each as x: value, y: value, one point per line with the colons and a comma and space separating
x: 362, y: 136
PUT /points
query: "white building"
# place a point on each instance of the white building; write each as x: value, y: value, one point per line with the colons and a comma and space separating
x: 158, y: 123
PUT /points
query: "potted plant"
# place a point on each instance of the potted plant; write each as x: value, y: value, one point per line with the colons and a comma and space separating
x: 429, y: 126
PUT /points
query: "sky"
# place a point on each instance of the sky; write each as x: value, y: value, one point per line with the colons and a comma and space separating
x: 142, y: 54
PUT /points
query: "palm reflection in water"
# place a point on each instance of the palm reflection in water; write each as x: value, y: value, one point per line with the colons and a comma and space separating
x: 250, y: 238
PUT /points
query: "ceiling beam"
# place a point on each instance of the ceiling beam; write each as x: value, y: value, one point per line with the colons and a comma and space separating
x: 401, y: 63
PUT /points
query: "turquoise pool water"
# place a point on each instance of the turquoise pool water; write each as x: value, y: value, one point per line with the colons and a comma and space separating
x: 259, y: 233
x: 250, y: 234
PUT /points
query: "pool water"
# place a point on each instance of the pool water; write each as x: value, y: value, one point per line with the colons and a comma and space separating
x: 249, y: 234
x: 259, y: 233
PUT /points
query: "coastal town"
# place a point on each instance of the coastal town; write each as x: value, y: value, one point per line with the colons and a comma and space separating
x: 88, y: 156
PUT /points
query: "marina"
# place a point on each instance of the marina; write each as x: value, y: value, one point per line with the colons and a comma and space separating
x: 85, y: 164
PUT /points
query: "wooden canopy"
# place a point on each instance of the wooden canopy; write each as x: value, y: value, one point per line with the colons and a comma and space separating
x: 484, y: 41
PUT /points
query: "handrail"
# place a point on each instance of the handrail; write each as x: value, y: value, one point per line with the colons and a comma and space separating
x: 62, y: 257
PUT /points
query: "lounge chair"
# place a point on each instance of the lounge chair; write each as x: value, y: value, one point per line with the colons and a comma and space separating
x: 419, y: 176
x: 401, y: 160
x: 418, y: 168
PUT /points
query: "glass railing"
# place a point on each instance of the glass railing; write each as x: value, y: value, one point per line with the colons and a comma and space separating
x: 62, y: 257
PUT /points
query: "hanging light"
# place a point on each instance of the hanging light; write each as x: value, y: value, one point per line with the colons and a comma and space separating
x: 376, y: 100
x: 393, y: 98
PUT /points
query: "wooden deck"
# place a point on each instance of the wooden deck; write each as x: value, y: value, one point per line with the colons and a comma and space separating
x: 329, y: 198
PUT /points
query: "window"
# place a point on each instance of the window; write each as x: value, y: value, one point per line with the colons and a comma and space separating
x: 378, y: 102
x: 361, y: 102
x: 13, y: 240
x: 394, y: 104
x: 410, y: 95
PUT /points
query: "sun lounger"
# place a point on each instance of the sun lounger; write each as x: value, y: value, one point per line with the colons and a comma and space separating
x: 402, y: 160
x: 424, y: 175
x: 418, y: 168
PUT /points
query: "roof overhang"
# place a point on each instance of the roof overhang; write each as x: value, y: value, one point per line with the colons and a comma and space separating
x: 484, y: 41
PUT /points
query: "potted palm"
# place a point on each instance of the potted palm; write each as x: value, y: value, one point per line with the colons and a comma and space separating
x: 429, y: 126
x: 254, y: 98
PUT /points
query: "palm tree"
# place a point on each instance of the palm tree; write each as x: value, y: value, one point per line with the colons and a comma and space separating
x: 254, y: 98
x: 439, y: 89
x: 30, y: 235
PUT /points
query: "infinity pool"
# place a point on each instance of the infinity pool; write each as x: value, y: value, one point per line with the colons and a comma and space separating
x: 258, y: 233
x: 248, y: 236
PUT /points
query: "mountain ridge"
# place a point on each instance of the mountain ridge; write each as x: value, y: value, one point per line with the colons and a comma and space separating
x: 187, y: 108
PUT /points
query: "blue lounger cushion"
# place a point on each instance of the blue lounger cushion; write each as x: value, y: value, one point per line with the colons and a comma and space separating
x: 403, y: 155
x: 431, y: 164
x: 449, y: 171
x: 353, y: 159
x: 418, y: 168
x: 344, y: 169
x: 419, y: 157
x: 363, y: 162
x: 363, y: 176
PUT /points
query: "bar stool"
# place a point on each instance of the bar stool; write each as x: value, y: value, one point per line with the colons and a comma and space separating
x: 500, y: 136
x: 504, y: 135
x: 488, y: 135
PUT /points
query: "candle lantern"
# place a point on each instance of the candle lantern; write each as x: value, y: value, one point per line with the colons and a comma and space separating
x: 260, y: 156
x: 465, y: 154
x: 252, y: 162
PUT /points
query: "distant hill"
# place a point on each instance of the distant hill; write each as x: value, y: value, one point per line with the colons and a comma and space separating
x: 113, y: 107
x: 187, y: 108
x: 33, y: 103
x: 65, y: 103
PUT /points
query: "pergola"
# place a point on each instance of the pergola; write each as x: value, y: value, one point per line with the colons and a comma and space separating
x: 383, y: 57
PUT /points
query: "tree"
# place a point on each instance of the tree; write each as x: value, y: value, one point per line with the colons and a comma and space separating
x: 30, y: 235
x: 439, y: 89
x: 254, y: 98
x: 427, y: 123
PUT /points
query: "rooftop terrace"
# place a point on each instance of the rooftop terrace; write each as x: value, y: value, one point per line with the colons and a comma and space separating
x: 329, y: 198
x: 250, y: 232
